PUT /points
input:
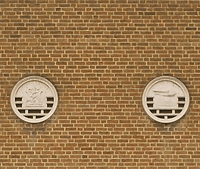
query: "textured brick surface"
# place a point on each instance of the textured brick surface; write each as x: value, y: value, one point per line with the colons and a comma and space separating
x: 100, y: 55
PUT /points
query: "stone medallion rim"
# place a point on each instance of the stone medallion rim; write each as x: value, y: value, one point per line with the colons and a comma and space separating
x: 173, y: 80
x: 40, y: 79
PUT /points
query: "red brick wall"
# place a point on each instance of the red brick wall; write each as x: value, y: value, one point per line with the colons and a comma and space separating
x: 100, y: 55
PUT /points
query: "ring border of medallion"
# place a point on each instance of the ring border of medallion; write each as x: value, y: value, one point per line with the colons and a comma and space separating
x: 19, y: 84
x: 161, y: 79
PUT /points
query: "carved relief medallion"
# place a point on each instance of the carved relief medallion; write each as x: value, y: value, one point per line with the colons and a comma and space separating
x: 34, y: 99
x: 165, y: 99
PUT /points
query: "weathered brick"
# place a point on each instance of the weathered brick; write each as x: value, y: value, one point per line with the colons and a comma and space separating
x: 100, y: 55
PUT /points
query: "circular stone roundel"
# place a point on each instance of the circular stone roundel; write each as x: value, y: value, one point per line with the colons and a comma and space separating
x: 165, y: 99
x: 34, y: 99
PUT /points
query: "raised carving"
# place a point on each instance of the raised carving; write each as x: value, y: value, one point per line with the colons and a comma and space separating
x: 34, y: 97
x: 165, y: 99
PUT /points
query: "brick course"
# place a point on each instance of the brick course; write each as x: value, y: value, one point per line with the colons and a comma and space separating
x: 100, y: 55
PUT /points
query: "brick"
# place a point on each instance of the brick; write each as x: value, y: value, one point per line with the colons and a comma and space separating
x: 100, y: 55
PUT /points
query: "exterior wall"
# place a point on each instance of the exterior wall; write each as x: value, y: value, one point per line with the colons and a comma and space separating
x: 100, y: 55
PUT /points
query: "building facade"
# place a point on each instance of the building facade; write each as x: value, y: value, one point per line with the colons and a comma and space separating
x: 99, y: 55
